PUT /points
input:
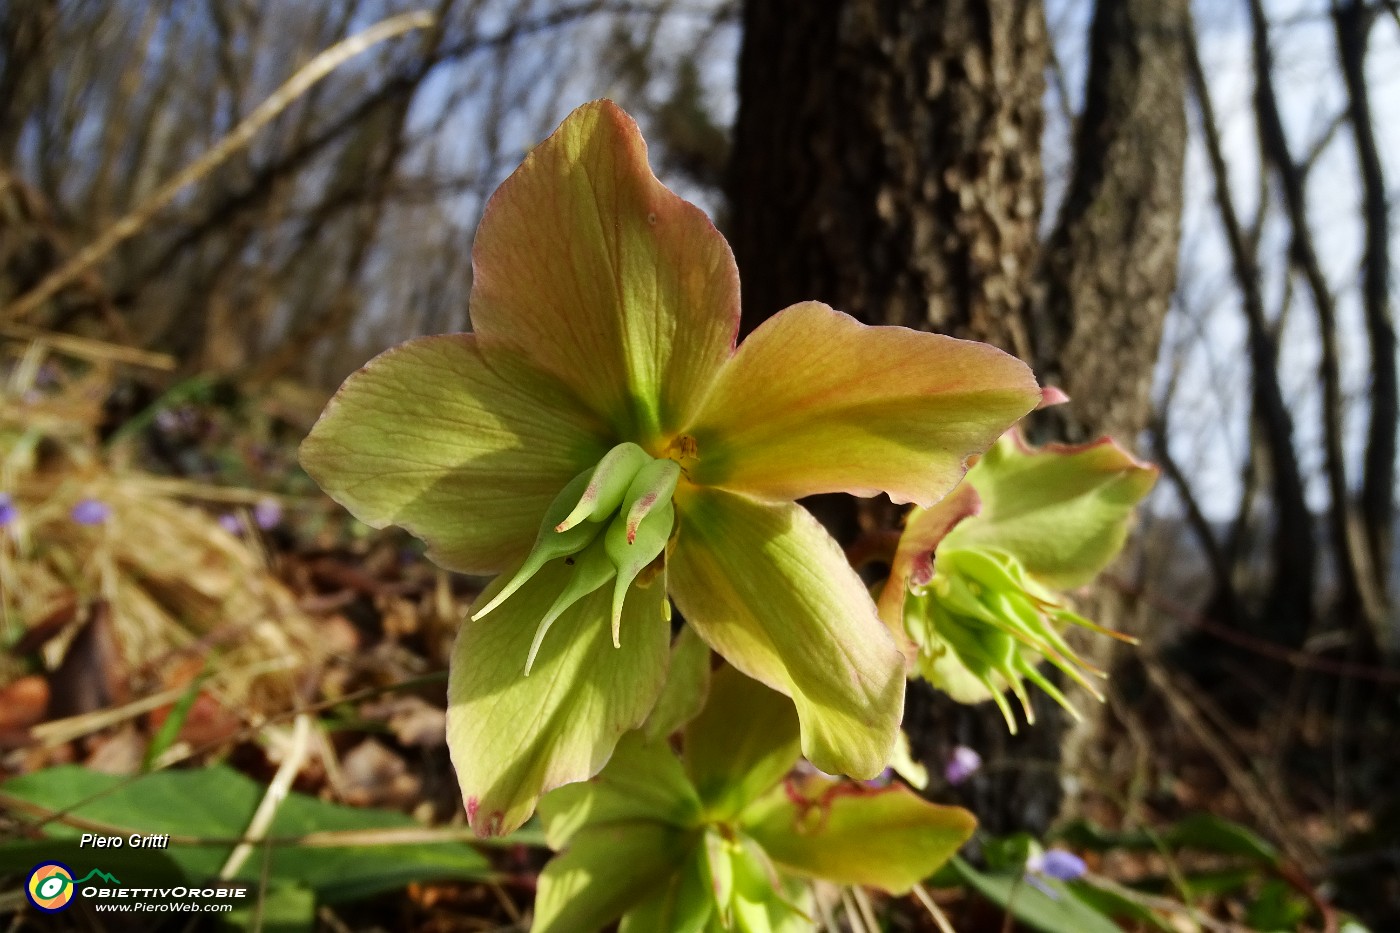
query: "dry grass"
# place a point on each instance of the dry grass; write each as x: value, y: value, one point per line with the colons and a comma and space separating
x: 170, y: 579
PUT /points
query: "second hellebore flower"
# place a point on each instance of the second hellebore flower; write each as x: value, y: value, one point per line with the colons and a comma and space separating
x: 600, y: 443
x: 973, y: 586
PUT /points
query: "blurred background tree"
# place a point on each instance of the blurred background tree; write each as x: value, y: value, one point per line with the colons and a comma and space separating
x: 1184, y: 224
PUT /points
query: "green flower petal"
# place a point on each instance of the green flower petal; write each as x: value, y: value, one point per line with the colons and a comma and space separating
x: 685, y: 905
x: 1062, y: 511
x: 764, y: 901
x: 742, y: 744
x: 687, y: 686
x: 463, y: 446
x: 643, y: 781
x: 768, y: 588
x: 605, y: 278
x: 606, y: 871
x: 514, y: 737
x: 814, y: 402
x: 888, y: 838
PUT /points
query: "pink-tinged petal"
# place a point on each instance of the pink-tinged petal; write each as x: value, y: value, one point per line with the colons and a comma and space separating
x: 1063, y: 511
x: 606, y: 278
x: 913, y: 558
x: 814, y: 401
x: 513, y: 737
x: 770, y: 590
x: 463, y: 446
x: 888, y: 838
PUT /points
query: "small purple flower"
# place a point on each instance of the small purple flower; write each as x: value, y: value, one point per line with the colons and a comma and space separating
x: 231, y: 523
x: 962, y: 764
x: 167, y: 421
x: 90, y: 512
x: 8, y: 512
x: 1062, y: 865
x: 1057, y: 864
x: 268, y: 514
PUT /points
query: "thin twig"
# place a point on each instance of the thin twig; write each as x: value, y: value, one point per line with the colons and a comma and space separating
x: 867, y: 910
x: 301, y: 82
x: 853, y: 918
x: 277, y: 791
x: 940, y: 919
x: 87, y: 349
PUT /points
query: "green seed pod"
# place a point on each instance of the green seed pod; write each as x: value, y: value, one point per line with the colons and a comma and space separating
x: 607, y: 485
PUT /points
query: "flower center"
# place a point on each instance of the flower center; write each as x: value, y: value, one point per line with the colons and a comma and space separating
x: 684, y: 451
x: 609, y: 523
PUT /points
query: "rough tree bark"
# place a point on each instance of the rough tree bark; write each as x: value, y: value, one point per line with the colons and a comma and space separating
x: 887, y: 161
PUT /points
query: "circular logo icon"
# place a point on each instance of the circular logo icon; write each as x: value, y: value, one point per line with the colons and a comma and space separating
x: 50, y: 887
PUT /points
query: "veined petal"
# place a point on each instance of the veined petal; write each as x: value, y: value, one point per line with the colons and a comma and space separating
x: 814, y: 401
x: 514, y: 737
x: 1062, y: 511
x: 605, y: 278
x: 770, y: 590
x: 463, y: 446
x: 888, y: 838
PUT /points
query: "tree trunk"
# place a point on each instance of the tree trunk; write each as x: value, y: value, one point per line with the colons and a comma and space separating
x: 887, y: 161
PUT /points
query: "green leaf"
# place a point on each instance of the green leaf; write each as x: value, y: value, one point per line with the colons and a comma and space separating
x: 514, y: 737
x: 170, y: 729
x: 682, y: 905
x: 282, y: 908
x: 606, y: 871
x: 687, y: 686
x: 218, y: 803
x: 1064, y: 913
x: 587, y: 263
x: 643, y: 781
x: 887, y: 837
x: 741, y: 744
x: 1062, y: 511
x: 1118, y: 903
x: 464, y: 446
x: 764, y: 901
x: 1212, y: 833
x: 768, y: 588
x: 1204, y: 831
x: 1278, y: 907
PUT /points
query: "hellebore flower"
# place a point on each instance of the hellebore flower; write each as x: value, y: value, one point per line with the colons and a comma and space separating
x: 599, y: 442
x: 972, y: 588
x: 724, y: 837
